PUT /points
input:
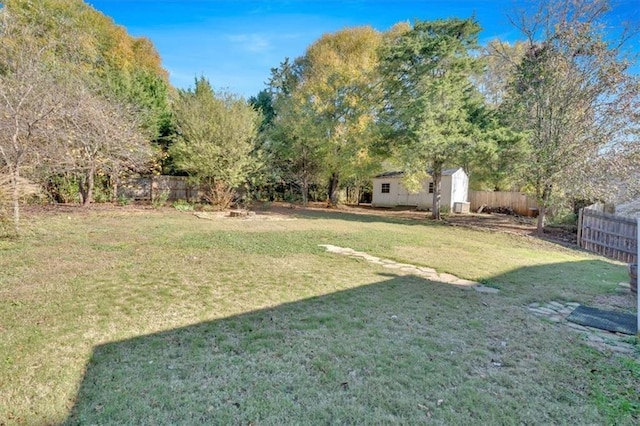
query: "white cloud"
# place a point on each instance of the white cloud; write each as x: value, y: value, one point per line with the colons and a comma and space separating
x: 254, y: 43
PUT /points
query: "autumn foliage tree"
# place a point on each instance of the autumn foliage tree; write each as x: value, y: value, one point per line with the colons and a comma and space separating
x: 127, y: 69
x: 338, y: 76
x: 29, y: 106
x: 57, y: 109
x: 572, y: 95
x: 324, y: 99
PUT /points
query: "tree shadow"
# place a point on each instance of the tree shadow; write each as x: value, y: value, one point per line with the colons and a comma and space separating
x: 386, y: 352
x: 410, y: 217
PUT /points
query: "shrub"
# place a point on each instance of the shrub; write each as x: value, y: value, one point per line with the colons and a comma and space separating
x: 183, y: 206
x: 219, y: 195
x: 123, y: 200
x: 160, y: 200
x: 445, y: 211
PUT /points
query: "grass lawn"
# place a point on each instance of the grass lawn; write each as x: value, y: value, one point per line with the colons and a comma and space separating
x: 131, y: 316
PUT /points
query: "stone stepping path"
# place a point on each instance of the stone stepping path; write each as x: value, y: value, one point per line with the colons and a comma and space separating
x: 421, y: 271
x: 599, y: 339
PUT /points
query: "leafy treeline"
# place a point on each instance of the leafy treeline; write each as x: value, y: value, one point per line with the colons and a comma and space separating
x: 360, y: 100
x: 555, y: 115
x: 83, y: 103
x: 80, y: 100
x: 85, y: 41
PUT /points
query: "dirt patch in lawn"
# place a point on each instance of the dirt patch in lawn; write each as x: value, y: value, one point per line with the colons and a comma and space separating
x: 624, y: 300
x: 514, y: 224
x: 495, y: 222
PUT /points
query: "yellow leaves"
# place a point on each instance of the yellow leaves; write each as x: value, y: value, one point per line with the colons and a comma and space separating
x: 340, y: 131
x: 146, y: 56
x: 83, y: 36
x: 342, y: 57
x: 364, y: 121
x: 362, y: 156
x: 398, y: 30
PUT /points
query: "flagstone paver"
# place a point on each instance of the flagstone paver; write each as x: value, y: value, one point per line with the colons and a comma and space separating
x: 421, y: 271
x: 599, y: 339
x: 553, y: 311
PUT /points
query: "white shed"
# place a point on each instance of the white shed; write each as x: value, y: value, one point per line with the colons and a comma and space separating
x: 388, y: 191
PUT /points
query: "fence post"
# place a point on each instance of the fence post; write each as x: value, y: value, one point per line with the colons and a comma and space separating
x: 579, y: 239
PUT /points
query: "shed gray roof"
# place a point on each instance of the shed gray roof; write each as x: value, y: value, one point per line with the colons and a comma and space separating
x: 399, y: 174
x: 390, y: 175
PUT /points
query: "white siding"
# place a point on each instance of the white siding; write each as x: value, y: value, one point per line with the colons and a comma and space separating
x: 445, y: 192
x: 378, y: 199
x: 425, y: 199
x: 405, y: 197
x: 460, y: 189
x: 454, y: 188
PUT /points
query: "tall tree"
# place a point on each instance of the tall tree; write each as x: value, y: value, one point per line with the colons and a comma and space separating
x: 263, y: 102
x: 293, y: 140
x: 29, y: 106
x: 101, y: 137
x: 296, y: 141
x: 216, y: 134
x: 430, y: 103
x: 127, y: 68
x: 572, y: 94
x: 495, y: 160
x: 338, y: 73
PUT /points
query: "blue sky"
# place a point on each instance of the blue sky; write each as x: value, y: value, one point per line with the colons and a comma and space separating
x: 235, y: 43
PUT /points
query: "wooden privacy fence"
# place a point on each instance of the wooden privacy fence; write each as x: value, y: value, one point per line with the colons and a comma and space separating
x: 611, y: 236
x: 151, y: 188
x: 519, y: 202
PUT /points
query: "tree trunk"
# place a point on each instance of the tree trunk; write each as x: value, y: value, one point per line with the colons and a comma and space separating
x: 115, y: 181
x: 114, y: 191
x: 334, y: 189
x: 14, y: 172
x: 543, y: 202
x: 15, y: 197
x: 305, y: 191
x: 541, y: 216
x: 437, y: 179
x: 86, y: 187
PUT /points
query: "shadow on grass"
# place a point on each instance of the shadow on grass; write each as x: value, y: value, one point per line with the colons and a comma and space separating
x: 312, y: 359
x: 414, y: 218
x: 388, y: 352
x: 409, y: 216
x: 364, y: 217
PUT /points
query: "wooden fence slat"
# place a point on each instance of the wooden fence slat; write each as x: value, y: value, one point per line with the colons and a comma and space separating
x: 614, y: 247
x: 608, y: 235
x: 519, y: 202
x: 148, y: 188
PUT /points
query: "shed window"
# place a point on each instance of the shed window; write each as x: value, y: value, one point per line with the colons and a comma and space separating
x: 430, y: 187
x: 386, y: 188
